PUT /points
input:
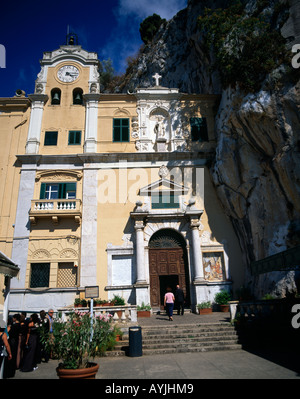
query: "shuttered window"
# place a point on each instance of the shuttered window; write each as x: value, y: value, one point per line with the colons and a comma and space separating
x: 40, y: 274
x: 120, y: 130
x: 74, y: 137
x: 50, y: 138
x: 199, y: 129
x: 165, y: 201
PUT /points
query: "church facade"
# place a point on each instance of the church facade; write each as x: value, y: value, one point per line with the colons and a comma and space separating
x: 110, y: 190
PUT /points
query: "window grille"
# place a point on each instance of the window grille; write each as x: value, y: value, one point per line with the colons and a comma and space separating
x: 66, y: 275
x: 40, y: 273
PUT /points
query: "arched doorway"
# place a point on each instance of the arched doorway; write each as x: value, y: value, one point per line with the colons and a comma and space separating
x: 168, y: 265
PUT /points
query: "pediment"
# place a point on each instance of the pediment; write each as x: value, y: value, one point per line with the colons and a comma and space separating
x: 163, y: 185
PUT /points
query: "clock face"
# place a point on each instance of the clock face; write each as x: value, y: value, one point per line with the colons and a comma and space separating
x: 68, y: 73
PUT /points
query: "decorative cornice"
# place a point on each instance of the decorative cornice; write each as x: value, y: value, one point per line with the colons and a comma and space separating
x: 79, y: 160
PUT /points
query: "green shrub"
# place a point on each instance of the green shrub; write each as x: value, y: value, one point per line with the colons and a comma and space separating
x: 247, y: 48
x: 222, y: 297
x: 149, y: 27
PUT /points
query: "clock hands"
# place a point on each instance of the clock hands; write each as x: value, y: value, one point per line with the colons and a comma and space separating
x: 72, y: 74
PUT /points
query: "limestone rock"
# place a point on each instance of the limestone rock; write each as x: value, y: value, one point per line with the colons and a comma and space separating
x: 256, y: 170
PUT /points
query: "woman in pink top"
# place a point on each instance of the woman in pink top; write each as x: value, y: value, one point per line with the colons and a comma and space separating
x: 169, y: 303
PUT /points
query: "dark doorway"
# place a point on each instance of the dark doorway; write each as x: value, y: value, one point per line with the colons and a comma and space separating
x: 168, y: 265
x: 165, y: 282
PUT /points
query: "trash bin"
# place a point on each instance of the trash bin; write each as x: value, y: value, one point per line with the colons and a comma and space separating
x: 135, y: 341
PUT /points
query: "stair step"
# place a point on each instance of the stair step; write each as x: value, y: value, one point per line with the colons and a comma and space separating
x: 188, y: 334
x: 193, y: 341
x: 188, y: 350
x: 183, y: 338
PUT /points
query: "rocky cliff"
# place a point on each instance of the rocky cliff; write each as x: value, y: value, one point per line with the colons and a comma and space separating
x: 256, y: 171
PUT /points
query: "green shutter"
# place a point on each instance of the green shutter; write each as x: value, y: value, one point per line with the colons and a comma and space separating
x: 63, y: 188
x: 50, y: 138
x: 74, y: 137
x: 167, y: 201
x: 62, y: 191
x: 121, y: 130
x: 70, y: 187
x: 43, y: 191
x: 199, y: 129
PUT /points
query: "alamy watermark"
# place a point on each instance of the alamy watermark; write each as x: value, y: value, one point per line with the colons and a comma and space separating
x: 296, y: 318
x: 2, y: 56
x: 124, y: 184
x: 296, y: 58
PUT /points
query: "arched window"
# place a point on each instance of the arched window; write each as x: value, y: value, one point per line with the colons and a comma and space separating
x: 55, y: 96
x: 78, y: 96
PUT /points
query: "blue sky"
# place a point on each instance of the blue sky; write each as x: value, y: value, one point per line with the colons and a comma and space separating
x: 108, y: 27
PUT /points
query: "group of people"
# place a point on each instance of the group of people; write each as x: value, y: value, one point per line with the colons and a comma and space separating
x: 21, y: 345
x: 171, y: 300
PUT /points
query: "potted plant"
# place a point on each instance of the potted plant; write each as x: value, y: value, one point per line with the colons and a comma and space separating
x: 118, y: 300
x: 118, y: 333
x: 83, y: 303
x: 97, y: 302
x: 204, y: 307
x: 222, y: 298
x: 78, y: 340
x: 105, y: 302
x: 77, y: 302
x: 144, y: 310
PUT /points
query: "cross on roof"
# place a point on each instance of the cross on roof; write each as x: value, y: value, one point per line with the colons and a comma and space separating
x: 156, y: 77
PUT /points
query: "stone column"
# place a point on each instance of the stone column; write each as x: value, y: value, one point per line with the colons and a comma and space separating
x: 141, y: 285
x: 140, y: 251
x: 197, y: 253
x: 88, y: 269
x: 35, y: 124
x: 194, y: 215
x: 91, y: 122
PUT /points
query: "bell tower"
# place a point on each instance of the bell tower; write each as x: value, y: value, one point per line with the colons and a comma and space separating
x: 66, y: 95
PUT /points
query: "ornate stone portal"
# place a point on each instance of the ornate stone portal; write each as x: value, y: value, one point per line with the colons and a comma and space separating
x: 159, y: 121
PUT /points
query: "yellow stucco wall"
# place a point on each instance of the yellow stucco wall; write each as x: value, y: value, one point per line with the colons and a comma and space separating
x: 14, y: 123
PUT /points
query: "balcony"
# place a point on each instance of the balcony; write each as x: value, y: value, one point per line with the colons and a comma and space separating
x: 55, y: 209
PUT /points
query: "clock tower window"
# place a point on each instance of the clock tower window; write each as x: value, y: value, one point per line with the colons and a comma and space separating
x: 55, y: 96
x: 78, y: 96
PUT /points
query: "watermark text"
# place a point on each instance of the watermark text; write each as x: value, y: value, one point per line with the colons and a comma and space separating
x: 296, y: 58
x: 2, y: 56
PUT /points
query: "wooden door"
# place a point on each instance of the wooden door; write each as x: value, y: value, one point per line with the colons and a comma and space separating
x: 165, y: 262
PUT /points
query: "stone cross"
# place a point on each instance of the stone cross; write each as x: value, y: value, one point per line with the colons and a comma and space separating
x: 156, y: 77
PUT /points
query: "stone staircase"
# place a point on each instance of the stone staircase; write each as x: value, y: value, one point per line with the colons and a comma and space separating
x: 184, y: 338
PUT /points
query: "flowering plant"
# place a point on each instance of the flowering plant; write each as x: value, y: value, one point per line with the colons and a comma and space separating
x: 80, y: 338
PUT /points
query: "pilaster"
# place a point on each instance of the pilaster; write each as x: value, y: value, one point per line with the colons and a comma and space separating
x: 91, y: 122
x: 35, y: 125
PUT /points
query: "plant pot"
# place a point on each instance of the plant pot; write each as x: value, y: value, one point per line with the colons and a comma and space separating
x: 118, y: 337
x: 224, y: 308
x: 143, y: 313
x: 87, y: 373
x: 205, y: 311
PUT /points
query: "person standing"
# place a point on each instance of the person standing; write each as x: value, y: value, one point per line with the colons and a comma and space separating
x: 31, y: 354
x: 13, y: 340
x: 51, y: 320
x: 179, y: 300
x: 169, y: 301
x: 5, y: 350
x: 45, y: 326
